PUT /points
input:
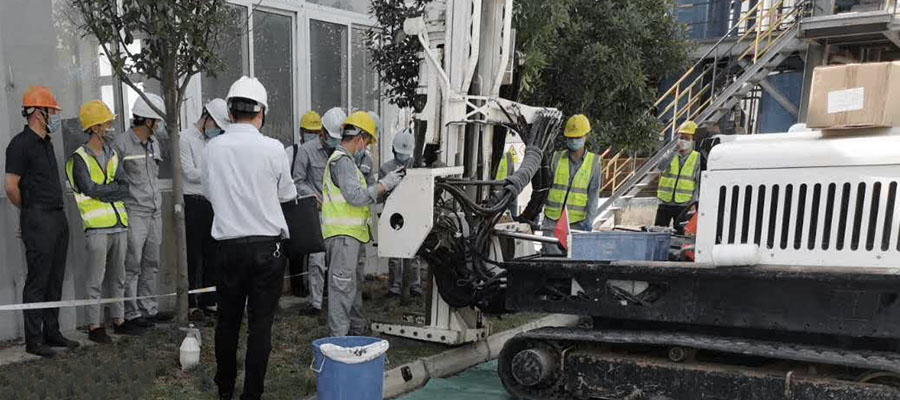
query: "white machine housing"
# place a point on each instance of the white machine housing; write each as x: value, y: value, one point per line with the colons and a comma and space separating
x: 808, y: 198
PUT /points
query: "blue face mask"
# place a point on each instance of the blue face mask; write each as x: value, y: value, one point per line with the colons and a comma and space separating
x: 358, y: 156
x: 160, y: 129
x: 332, y: 143
x: 212, y: 132
x: 309, y: 137
x: 402, y: 158
x: 54, y: 123
x: 575, y: 144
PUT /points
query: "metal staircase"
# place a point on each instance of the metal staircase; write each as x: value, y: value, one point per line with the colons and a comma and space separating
x: 757, y: 44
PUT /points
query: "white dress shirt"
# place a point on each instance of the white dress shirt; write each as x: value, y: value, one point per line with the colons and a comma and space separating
x: 192, y: 159
x: 246, y: 179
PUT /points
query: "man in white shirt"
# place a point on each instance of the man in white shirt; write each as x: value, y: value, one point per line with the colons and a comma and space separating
x: 247, y: 177
x: 198, y: 212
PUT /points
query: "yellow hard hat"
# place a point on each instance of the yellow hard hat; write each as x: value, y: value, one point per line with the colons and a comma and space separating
x: 688, y: 127
x: 577, y: 126
x: 95, y: 113
x: 363, y: 121
x: 311, y: 121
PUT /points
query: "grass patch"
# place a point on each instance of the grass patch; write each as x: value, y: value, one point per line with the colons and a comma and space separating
x: 146, y: 366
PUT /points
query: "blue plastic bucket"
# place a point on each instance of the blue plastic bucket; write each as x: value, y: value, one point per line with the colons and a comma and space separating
x: 337, y: 380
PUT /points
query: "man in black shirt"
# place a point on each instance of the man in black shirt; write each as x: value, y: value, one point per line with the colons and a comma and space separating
x: 32, y: 185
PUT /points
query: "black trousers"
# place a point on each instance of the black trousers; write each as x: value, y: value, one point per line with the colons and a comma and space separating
x: 251, y: 273
x: 299, y: 286
x: 46, y: 237
x: 668, y: 213
x: 198, y: 216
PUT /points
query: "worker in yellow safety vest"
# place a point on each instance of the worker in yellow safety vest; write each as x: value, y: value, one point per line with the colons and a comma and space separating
x: 346, y: 198
x: 506, y: 168
x: 99, y: 193
x: 679, y: 181
x: 577, y: 177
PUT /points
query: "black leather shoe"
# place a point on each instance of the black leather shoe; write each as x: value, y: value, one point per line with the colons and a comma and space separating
x: 197, y: 315
x: 310, y: 311
x: 140, y: 323
x: 40, y: 350
x: 99, y: 335
x: 127, y: 329
x: 61, y: 341
x: 161, y: 317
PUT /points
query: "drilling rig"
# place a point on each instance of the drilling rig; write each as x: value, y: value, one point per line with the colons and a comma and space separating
x: 794, y: 294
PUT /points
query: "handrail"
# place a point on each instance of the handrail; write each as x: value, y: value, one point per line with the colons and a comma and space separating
x: 697, y: 88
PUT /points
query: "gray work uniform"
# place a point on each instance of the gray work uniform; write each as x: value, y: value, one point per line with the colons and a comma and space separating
x: 308, y: 172
x: 396, y: 266
x: 342, y: 255
x: 106, y: 247
x: 548, y: 226
x: 367, y: 167
x: 139, y: 167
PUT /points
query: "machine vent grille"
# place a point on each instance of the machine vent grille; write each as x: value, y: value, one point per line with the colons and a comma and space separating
x: 828, y: 216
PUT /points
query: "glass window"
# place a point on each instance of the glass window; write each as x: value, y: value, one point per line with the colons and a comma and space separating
x: 41, y: 46
x: 233, y: 49
x: 273, y: 65
x: 364, y: 78
x: 328, y: 65
x: 360, y: 6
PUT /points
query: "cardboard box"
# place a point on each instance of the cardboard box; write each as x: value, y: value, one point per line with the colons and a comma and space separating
x: 855, y: 96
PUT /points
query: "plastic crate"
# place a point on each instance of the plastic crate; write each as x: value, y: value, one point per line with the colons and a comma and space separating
x: 621, y: 246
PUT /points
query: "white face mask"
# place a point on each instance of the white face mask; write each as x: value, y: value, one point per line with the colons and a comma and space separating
x: 685, y: 145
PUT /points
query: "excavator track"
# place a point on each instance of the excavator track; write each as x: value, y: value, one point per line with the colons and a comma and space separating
x: 565, y: 363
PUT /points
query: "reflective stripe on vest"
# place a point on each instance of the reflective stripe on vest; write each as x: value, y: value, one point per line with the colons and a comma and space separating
x: 578, y: 193
x: 505, y: 166
x: 338, y: 216
x: 96, y: 214
x: 677, y: 184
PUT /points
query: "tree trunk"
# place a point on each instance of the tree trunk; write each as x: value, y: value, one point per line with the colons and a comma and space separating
x: 173, y: 105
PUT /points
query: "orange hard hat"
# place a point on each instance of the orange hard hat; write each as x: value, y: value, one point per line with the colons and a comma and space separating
x: 39, y: 96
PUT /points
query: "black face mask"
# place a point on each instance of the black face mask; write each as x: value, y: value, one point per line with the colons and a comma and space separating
x: 263, y: 121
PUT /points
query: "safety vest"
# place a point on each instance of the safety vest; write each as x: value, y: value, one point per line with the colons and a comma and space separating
x: 505, y: 166
x: 677, y: 184
x: 338, y: 216
x: 96, y: 214
x: 578, y: 194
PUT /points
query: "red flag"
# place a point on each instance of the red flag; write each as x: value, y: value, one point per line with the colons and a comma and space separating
x: 562, y: 228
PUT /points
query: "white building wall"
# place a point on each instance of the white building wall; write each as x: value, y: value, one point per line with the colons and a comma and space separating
x: 38, y: 46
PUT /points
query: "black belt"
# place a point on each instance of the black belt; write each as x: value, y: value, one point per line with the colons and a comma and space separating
x: 252, y: 240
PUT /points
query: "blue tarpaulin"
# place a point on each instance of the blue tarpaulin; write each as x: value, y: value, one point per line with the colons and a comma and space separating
x: 478, y: 383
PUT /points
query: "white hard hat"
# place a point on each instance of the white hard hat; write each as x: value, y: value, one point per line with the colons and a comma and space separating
x: 377, y: 120
x: 800, y: 127
x: 250, y: 89
x: 332, y: 122
x: 142, y: 109
x: 218, y: 110
x: 404, y: 142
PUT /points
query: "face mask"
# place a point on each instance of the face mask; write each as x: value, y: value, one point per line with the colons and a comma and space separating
x: 402, y: 157
x: 54, y: 123
x: 685, y: 145
x: 575, y: 144
x: 212, y: 132
x: 160, y: 128
x: 309, y: 137
x: 332, y: 143
x: 358, y: 156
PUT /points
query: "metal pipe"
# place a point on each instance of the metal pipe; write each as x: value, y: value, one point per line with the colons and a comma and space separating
x: 525, y: 236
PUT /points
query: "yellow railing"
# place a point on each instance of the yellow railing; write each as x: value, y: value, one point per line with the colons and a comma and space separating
x: 696, y: 89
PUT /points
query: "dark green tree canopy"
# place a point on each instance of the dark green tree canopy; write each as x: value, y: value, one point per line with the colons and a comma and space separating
x: 601, y: 58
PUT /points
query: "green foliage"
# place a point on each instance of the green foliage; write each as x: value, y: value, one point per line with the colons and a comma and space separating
x: 394, y: 53
x: 600, y: 58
